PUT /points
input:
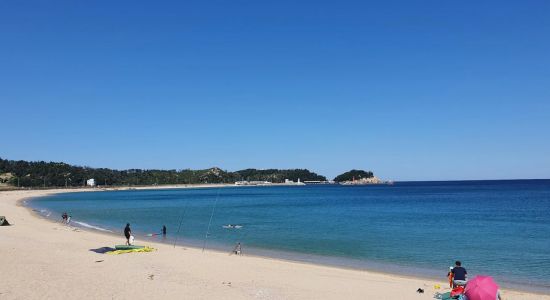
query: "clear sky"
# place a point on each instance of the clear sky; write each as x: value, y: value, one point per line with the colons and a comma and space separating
x: 412, y: 90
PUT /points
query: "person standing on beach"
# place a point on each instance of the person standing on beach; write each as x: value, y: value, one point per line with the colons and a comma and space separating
x: 127, y: 233
x: 238, y: 249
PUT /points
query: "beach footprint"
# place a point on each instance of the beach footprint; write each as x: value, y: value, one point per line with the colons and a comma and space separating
x: 227, y: 283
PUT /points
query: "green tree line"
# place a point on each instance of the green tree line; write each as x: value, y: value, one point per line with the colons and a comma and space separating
x: 353, y: 174
x: 56, y: 174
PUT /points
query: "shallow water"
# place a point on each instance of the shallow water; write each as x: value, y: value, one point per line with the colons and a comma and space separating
x: 499, y: 228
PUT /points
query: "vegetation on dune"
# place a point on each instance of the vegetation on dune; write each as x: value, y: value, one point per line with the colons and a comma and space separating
x: 353, y: 174
x: 55, y: 174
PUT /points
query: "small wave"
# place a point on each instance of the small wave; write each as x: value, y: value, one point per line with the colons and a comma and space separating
x: 44, y: 212
x: 91, y: 226
x: 232, y: 226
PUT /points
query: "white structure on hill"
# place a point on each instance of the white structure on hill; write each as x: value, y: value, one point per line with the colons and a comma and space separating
x: 90, y: 182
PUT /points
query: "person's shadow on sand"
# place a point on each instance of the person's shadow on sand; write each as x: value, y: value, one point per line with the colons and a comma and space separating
x: 103, y: 250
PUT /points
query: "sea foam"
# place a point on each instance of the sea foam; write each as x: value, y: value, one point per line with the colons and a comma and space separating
x: 91, y: 226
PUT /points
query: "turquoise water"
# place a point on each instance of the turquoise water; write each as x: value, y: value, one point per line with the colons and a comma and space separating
x: 499, y: 228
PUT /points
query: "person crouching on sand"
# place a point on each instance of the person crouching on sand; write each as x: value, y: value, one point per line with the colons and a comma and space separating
x: 459, y: 275
x: 127, y: 233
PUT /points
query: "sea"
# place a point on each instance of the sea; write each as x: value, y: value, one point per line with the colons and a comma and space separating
x: 497, y: 228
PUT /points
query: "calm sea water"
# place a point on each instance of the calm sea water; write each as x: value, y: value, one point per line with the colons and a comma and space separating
x: 499, y: 228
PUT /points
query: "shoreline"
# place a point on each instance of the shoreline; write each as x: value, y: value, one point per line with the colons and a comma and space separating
x: 288, y: 256
x: 300, y: 286
x: 217, y: 249
x: 283, y: 258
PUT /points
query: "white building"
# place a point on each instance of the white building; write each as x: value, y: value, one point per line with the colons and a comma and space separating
x: 90, y: 182
x: 290, y: 182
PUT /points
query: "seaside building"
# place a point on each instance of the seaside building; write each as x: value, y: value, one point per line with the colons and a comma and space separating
x: 319, y: 182
x: 290, y: 182
x: 254, y: 182
x: 90, y: 182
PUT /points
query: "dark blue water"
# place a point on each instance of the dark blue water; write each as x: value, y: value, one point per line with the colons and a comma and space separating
x: 499, y: 228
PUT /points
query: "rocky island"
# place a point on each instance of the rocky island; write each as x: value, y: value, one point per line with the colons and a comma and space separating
x: 359, y: 177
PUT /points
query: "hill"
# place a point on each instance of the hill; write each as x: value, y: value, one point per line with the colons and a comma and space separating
x: 353, y: 174
x: 57, y: 174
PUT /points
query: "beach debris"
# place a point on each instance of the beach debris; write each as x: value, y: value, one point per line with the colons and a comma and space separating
x: 437, y: 286
x: 151, y: 276
x: 98, y: 261
x: 420, y: 291
x: 227, y: 283
x: 4, y: 221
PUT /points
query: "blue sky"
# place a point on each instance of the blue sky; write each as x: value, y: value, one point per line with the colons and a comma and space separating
x: 412, y: 90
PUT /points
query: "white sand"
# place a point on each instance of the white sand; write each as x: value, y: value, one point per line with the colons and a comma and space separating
x: 40, y: 259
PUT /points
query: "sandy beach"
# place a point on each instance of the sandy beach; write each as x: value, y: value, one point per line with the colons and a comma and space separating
x: 41, y: 259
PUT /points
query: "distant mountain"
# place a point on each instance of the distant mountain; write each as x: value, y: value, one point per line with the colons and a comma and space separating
x: 353, y: 174
x: 56, y: 174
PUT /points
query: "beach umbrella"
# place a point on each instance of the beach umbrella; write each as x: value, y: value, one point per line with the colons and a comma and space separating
x: 481, y: 288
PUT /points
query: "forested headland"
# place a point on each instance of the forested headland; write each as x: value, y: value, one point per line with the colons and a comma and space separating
x: 353, y: 174
x: 58, y: 174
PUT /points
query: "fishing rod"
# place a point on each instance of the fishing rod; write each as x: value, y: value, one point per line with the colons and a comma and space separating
x: 181, y: 221
x: 210, y: 222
